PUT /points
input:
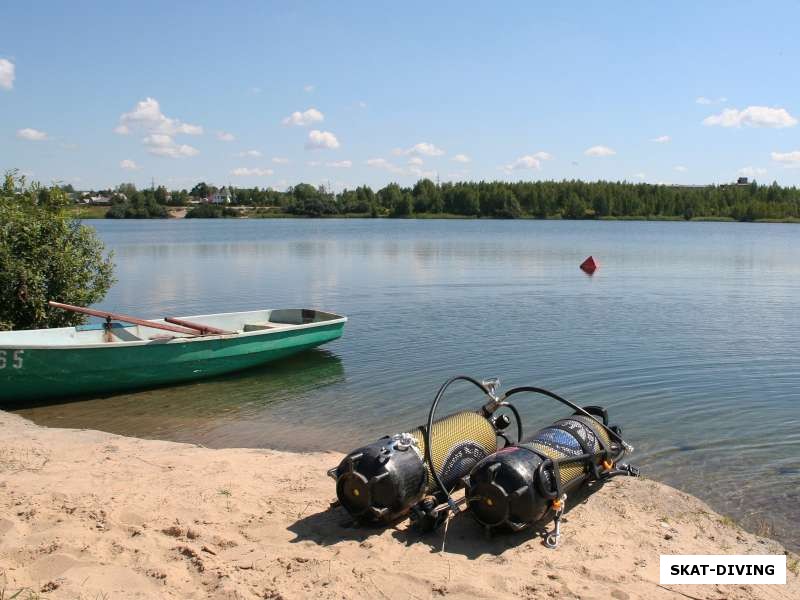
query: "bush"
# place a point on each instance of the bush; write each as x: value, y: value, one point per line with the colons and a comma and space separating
x: 139, y: 205
x: 45, y: 254
x: 210, y: 211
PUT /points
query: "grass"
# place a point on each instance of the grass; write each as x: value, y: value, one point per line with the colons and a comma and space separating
x: 728, y: 522
x: 793, y: 564
x: 30, y: 594
x: 87, y: 211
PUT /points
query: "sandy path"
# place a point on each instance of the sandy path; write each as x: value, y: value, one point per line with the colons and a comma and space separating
x: 90, y: 515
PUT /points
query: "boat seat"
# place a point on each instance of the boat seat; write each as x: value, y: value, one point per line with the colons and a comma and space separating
x: 162, y: 337
x: 258, y: 326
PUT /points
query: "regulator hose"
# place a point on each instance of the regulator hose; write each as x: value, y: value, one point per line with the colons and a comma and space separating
x: 573, y: 406
x: 427, y: 432
x: 502, y: 403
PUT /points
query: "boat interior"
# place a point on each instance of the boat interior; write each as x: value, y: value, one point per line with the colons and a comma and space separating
x: 100, y: 332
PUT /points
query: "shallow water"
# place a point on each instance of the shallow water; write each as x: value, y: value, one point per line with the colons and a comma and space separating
x: 688, y: 333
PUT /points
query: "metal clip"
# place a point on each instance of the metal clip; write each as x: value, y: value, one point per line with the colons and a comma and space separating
x: 554, y: 537
x: 492, y: 384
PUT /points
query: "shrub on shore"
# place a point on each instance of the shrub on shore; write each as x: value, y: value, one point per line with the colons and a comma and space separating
x: 46, y: 254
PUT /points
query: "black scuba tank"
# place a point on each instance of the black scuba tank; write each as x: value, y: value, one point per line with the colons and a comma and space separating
x: 384, y: 480
x: 526, y: 482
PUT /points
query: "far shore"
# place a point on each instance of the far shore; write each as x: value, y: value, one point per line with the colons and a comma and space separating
x: 86, y: 514
x: 99, y: 212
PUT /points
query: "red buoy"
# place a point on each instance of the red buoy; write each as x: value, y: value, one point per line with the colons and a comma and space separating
x: 589, y: 266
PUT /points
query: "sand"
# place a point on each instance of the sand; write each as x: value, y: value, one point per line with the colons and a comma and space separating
x: 90, y: 515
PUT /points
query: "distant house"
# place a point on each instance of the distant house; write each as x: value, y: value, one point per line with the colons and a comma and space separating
x: 222, y: 196
x: 742, y: 181
x: 96, y: 199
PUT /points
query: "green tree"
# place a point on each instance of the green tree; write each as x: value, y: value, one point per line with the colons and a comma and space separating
x: 427, y: 197
x: 404, y: 205
x: 45, y: 254
x: 201, y: 190
x: 389, y: 196
x: 126, y: 188
x: 161, y: 194
x: 574, y: 207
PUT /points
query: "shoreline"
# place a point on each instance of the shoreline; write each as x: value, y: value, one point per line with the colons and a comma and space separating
x: 87, y: 514
x: 178, y: 213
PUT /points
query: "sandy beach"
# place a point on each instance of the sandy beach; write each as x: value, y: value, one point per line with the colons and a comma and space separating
x: 86, y: 515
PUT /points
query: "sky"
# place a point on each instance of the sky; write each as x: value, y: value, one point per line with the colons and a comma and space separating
x: 271, y: 94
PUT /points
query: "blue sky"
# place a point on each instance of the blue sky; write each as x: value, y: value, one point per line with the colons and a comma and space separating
x: 95, y: 94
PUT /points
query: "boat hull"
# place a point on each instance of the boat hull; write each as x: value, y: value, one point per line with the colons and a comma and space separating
x: 40, y: 373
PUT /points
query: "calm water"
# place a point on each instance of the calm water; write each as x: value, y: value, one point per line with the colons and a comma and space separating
x: 688, y: 332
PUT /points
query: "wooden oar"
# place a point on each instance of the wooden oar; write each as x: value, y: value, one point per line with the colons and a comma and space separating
x: 124, y: 318
x: 204, y: 329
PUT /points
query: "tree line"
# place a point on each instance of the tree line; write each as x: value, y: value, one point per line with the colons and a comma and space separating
x: 569, y: 199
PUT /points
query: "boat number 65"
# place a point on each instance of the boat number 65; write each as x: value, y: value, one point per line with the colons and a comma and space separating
x: 11, y: 358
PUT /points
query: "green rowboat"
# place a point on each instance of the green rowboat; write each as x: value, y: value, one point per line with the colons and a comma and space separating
x: 113, y: 357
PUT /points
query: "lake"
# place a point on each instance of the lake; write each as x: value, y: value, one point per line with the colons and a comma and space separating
x: 688, y: 333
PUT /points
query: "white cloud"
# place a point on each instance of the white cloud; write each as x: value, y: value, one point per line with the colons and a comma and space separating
x: 250, y: 154
x: 752, y: 116
x: 415, y: 161
x: 303, y: 119
x: 529, y: 161
x: 32, y: 135
x: 159, y: 129
x: 681, y: 169
x: 148, y: 116
x: 662, y: 139
x: 314, y: 163
x: 161, y: 144
x: 421, y: 149
x: 128, y: 165
x: 7, y: 74
x: 308, y: 88
x: 174, y: 151
x: 789, y: 159
x: 600, y: 151
x: 224, y: 136
x: 279, y: 160
x: 362, y: 104
x: 159, y: 139
x: 753, y: 171
x: 340, y: 164
x: 248, y: 172
x: 639, y: 175
x: 382, y: 163
x: 321, y: 140
x: 462, y: 158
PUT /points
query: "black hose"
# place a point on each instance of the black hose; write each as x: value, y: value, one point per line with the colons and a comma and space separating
x: 575, y: 407
x: 516, y: 416
x: 526, y: 388
x: 427, y: 432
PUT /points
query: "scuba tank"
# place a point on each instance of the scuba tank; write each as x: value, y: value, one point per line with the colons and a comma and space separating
x: 384, y: 480
x: 508, y: 487
x: 524, y: 483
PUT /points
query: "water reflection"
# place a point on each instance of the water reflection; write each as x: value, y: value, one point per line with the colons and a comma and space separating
x: 201, y: 412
